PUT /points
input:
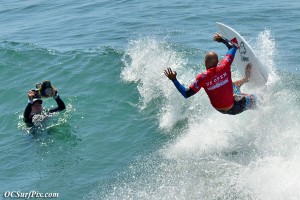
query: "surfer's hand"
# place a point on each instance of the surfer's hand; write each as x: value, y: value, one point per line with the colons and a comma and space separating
x: 170, y: 74
x: 218, y: 37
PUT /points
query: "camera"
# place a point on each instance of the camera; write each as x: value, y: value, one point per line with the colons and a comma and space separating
x: 44, y: 90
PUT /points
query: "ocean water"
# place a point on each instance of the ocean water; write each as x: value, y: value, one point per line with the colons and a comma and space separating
x: 127, y: 133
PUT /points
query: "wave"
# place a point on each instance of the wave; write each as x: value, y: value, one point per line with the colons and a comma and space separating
x: 254, y: 155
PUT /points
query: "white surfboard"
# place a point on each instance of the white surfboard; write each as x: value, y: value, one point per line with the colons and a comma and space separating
x: 245, y: 55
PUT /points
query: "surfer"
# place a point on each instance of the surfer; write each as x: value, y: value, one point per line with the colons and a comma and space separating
x: 34, y: 106
x: 217, y: 82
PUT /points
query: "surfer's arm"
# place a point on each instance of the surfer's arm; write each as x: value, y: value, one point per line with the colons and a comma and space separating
x: 172, y: 76
x: 219, y: 38
x: 229, y: 44
x: 60, y: 104
x: 186, y: 93
x: 231, y: 52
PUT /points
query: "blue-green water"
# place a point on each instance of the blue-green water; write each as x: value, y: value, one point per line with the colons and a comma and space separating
x: 127, y: 133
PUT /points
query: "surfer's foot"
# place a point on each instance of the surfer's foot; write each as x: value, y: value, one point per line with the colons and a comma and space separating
x: 248, y: 72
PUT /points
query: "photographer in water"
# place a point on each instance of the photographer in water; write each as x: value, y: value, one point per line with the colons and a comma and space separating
x: 34, y: 106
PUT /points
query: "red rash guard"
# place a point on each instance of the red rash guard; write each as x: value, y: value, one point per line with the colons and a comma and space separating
x: 217, y: 82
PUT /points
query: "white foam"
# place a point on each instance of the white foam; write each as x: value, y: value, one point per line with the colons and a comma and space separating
x: 253, y: 155
x: 273, y: 178
x: 145, y: 62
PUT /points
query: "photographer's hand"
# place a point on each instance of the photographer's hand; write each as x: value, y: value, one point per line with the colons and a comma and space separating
x: 31, y: 95
x: 55, y: 93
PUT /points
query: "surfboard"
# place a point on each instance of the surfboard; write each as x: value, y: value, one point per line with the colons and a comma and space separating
x: 245, y: 55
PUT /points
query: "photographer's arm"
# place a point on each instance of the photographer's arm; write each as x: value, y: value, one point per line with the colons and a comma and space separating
x: 61, y: 105
x: 26, y: 115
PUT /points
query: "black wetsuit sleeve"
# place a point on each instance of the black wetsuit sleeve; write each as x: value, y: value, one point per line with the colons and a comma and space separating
x: 60, y: 104
x: 26, y: 116
x: 228, y: 43
x: 190, y: 92
x: 186, y: 93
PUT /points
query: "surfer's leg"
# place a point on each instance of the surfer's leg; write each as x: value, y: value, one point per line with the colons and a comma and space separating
x: 250, y: 102
x: 240, y: 82
x: 236, y: 89
x: 238, y: 106
x: 242, y: 103
x: 246, y: 79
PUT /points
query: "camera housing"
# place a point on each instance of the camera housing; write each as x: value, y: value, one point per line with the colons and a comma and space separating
x: 44, y: 90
